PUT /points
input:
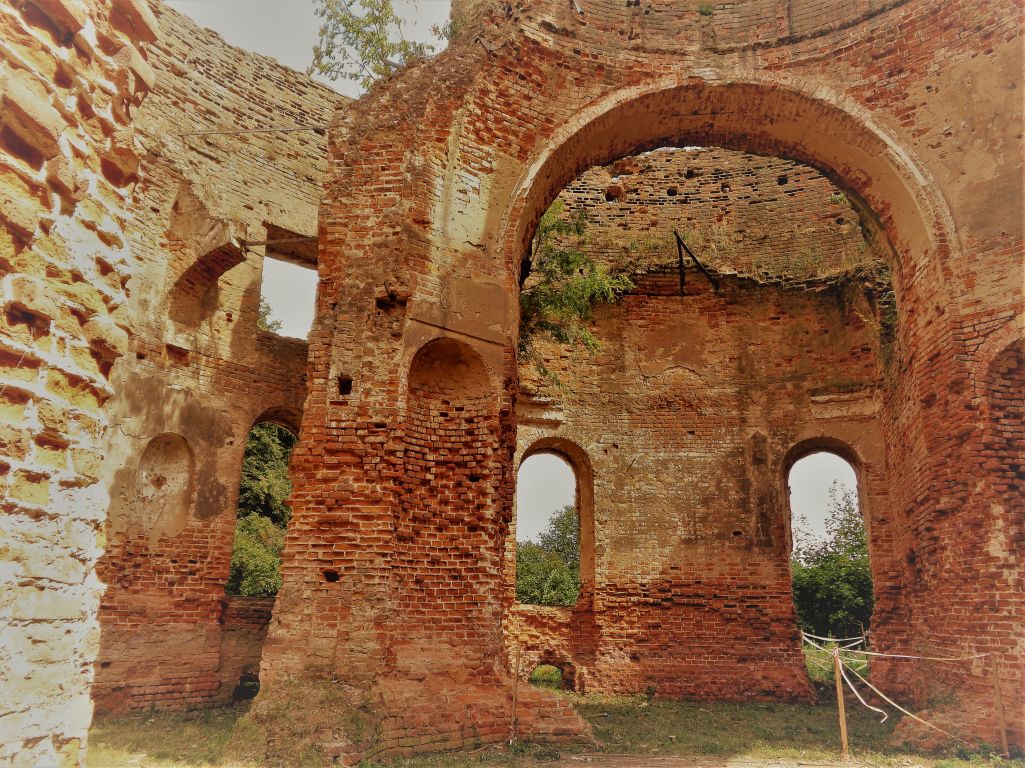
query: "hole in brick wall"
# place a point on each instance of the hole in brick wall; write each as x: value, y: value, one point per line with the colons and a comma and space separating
x: 782, y: 179
x: 738, y: 534
x: 613, y: 193
x: 331, y: 576
x: 344, y: 385
x: 690, y: 174
x: 547, y: 676
x: 288, y: 296
x: 247, y: 687
x: 672, y: 192
x: 828, y: 528
x: 390, y: 303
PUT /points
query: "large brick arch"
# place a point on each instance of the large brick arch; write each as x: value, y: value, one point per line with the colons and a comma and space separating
x: 436, y: 182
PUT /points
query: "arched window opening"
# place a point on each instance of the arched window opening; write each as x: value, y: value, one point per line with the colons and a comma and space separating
x: 547, y: 531
x: 832, y: 580
x: 263, y: 512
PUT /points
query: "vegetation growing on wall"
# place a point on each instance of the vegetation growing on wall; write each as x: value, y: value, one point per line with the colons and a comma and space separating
x: 832, y: 579
x: 263, y: 512
x: 560, y: 283
x: 548, y: 570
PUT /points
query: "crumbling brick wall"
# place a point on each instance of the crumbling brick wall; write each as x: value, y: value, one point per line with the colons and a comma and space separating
x: 72, y: 75
x: 685, y: 425
x: 200, y: 373
x: 438, y: 178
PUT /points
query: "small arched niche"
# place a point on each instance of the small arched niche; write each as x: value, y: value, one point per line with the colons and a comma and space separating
x: 554, y: 541
x: 831, y: 571
x: 164, y: 487
x: 444, y: 369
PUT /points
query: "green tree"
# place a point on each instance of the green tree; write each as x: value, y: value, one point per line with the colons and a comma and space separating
x: 832, y: 579
x: 263, y: 318
x: 256, y: 557
x: 548, y: 571
x: 363, y: 40
x: 560, y: 284
x: 265, y: 486
x: 263, y: 512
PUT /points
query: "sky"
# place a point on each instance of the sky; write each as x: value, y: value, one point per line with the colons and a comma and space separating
x: 287, y: 31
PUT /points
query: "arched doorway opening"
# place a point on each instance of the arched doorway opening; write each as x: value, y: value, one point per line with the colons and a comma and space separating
x: 254, y: 578
x: 831, y: 571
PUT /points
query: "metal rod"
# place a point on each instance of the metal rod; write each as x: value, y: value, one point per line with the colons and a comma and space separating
x: 705, y: 272
x: 272, y: 129
x: 280, y: 240
x: 680, y: 266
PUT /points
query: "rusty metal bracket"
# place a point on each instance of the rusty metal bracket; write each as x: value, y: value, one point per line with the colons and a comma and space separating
x: 682, y: 245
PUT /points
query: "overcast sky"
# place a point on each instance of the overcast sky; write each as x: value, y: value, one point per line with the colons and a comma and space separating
x: 287, y: 31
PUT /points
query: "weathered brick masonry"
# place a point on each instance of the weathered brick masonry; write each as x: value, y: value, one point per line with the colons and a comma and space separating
x: 684, y: 427
x: 436, y: 181
x: 71, y: 77
x: 132, y: 367
x: 199, y: 373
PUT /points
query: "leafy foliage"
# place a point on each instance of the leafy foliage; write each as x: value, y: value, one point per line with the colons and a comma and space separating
x: 263, y: 512
x: 548, y: 572
x: 263, y: 318
x: 256, y: 557
x: 832, y: 579
x: 265, y: 485
x: 362, y: 40
x: 560, y: 284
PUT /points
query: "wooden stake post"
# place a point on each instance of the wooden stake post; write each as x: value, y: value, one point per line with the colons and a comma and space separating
x: 999, y: 698
x: 515, y: 690
x: 845, y: 753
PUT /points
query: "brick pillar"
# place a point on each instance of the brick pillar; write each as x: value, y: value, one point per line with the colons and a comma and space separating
x: 68, y: 165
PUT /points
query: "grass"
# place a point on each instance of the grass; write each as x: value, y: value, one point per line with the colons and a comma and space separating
x: 162, y: 740
x: 622, y: 724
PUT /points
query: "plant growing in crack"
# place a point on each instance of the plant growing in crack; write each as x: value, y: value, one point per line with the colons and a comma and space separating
x: 560, y: 284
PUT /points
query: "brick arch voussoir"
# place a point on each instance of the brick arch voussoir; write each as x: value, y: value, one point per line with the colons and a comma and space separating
x: 763, y: 113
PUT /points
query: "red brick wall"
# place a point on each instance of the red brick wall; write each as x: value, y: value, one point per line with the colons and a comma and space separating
x: 199, y: 371
x: 439, y: 176
x: 690, y: 418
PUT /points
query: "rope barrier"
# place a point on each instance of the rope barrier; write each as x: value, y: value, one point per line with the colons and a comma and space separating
x: 924, y: 658
x: 894, y: 704
x: 833, y: 639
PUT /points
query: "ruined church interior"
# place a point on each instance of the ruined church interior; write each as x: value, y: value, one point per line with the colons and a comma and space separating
x: 815, y: 210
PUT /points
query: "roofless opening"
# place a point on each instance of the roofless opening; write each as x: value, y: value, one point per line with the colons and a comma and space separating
x: 288, y: 294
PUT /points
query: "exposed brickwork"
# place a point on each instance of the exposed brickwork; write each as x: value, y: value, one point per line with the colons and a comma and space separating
x: 200, y: 372
x: 72, y: 75
x: 436, y: 182
x: 690, y: 419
